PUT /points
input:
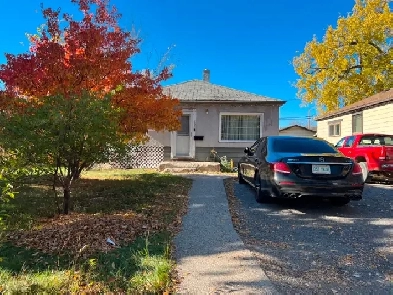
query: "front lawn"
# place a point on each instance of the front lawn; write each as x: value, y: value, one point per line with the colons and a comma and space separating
x: 139, y: 210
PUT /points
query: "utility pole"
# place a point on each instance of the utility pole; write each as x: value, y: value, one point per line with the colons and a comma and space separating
x: 309, y: 117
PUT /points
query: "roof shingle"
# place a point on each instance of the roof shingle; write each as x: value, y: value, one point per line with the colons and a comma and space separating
x: 374, y: 100
x: 202, y: 91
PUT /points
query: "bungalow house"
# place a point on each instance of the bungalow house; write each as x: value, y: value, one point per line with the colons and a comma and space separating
x: 372, y: 114
x: 297, y: 130
x: 219, y: 118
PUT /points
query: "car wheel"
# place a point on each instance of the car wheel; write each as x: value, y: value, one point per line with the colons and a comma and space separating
x: 240, y: 177
x: 364, y: 167
x: 339, y: 201
x: 261, y: 196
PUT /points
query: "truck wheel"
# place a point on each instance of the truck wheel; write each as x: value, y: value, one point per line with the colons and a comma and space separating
x: 364, y: 167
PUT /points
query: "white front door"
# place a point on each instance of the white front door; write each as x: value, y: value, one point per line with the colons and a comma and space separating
x: 182, y: 141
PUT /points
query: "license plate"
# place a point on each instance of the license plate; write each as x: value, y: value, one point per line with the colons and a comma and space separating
x: 321, y: 169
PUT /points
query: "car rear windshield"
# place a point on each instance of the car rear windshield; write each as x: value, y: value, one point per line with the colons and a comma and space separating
x: 386, y: 140
x: 302, y: 146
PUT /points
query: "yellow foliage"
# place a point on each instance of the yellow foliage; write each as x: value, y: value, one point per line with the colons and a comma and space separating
x: 352, y: 62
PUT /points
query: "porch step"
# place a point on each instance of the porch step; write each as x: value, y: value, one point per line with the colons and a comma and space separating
x: 186, y: 167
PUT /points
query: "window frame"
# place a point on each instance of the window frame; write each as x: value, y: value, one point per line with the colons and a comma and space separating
x: 353, y: 120
x: 353, y: 138
x: 261, y: 124
x: 334, y: 123
x: 343, y: 139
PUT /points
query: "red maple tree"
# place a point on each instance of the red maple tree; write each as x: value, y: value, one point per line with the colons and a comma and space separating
x: 91, y: 54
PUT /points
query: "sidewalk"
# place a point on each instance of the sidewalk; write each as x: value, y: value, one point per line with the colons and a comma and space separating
x: 210, y: 256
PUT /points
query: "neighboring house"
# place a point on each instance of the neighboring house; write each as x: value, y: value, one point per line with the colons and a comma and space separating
x: 297, y: 130
x: 372, y: 114
x: 219, y: 118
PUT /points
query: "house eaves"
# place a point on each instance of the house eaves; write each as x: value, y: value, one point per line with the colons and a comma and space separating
x: 367, y: 103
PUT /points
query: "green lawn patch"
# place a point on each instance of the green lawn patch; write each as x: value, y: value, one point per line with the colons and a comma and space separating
x: 139, y: 210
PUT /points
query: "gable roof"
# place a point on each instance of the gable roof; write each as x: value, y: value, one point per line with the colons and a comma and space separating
x: 203, y: 91
x: 372, y: 101
x: 312, y: 129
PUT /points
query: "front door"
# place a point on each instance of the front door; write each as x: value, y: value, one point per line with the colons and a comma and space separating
x: 183, y: 137
x: 182, y: 141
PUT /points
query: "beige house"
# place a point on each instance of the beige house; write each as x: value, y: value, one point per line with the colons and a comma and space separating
x: 219, y: 118
x: 297, y: 130
x: 372, y: 114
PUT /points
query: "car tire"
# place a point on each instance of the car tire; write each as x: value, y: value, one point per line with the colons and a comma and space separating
x: 240, y: 177
x: 261, y: 196
x: 339, y: 201
x: 364, y: 167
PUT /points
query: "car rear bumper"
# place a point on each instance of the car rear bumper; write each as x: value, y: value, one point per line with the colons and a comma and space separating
x: 286, y: 188
x: 348, y: 192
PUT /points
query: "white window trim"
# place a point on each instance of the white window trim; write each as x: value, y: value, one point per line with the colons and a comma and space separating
x: 334, y: 129
x: 262, y: 123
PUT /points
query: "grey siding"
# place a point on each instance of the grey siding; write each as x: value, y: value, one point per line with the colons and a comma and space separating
x: 202, y: 154
x: 167, y: 153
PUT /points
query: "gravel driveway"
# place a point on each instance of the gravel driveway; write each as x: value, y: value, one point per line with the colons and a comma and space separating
x: 313, y: 247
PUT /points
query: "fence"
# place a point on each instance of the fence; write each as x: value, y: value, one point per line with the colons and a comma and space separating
x: 148, y: 155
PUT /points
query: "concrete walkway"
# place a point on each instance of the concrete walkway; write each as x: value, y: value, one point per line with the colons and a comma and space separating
x: 210, y: 256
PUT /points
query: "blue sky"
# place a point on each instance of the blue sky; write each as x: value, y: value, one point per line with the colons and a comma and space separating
x: 247, y: 45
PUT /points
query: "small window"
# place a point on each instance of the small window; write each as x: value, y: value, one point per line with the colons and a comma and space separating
x: 350, y: 141
x: 185, y: 125
x: 340, y: 143
x: 335, y: 129
x: 357, y: 123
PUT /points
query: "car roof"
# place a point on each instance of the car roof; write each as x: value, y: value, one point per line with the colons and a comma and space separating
x: 289, y: 137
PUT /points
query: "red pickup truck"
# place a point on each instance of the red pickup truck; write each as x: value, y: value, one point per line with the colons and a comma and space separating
x: 374, y: 153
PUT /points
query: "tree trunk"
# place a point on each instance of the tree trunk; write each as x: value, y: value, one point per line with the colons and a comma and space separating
x: 75, y: 172
x: 66, y: 201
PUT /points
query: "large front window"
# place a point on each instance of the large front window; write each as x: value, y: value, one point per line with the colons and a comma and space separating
x: 240, y: 127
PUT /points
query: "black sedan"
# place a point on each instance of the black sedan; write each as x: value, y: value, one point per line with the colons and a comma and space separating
x: 294, y: 167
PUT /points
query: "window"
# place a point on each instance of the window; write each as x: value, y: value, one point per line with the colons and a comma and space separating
x: 340, y: 142
x: 376, y: 140
x: 304, y: 146
x: 350, y: 141
x: 185, y: 125
x: 240, y: 127
x: 335, y: 128
x: 357, y: 123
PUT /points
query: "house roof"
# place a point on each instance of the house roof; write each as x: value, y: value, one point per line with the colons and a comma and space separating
x: 372, y: 101
x: 204, y: 91
x: 312, y: 129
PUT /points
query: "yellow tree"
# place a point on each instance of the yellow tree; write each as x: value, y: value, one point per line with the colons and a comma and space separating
x: 353, y: 61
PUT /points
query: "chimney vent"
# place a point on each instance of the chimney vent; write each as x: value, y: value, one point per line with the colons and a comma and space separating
x: 206, y: 75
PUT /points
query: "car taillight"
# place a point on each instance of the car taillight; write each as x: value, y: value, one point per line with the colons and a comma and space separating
x: 357, y: 169
x: 280, y: 167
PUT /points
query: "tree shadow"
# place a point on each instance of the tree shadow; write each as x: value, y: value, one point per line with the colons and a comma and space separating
x: 301, y: 242
x: 123, y: 209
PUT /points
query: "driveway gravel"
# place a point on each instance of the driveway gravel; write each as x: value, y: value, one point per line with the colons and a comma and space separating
x: 211, y: 258
x: 312, y: 247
